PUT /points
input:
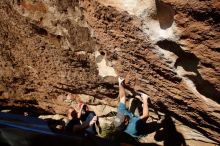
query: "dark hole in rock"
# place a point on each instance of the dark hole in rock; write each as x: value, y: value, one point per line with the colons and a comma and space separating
x: 115, y: 56
x: 41, y: 18
x: 59, y: 37
x: 102, y: 53
x: 39, y: 30
x: 1, y: 92
x: 29, y: 90
x: 19, y: 2
x: 209, y: 16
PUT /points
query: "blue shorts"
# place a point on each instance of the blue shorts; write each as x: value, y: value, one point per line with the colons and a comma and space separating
x: 91, y: 129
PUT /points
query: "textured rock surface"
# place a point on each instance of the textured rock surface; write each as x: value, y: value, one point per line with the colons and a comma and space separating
x: 169, y: 49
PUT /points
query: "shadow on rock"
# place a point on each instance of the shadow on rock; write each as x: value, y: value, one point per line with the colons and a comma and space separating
x: 125, y: 139
x: 169, y: 134
x: 189, y: 62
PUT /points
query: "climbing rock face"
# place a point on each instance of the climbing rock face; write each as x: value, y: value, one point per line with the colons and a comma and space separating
x: 168, y: 49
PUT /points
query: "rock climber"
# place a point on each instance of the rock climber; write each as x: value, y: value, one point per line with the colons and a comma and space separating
x: 85, y: 115
x: 125, y: 120
x: 76, y: 127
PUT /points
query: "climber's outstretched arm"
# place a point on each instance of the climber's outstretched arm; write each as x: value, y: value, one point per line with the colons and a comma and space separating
x: 121, y: 90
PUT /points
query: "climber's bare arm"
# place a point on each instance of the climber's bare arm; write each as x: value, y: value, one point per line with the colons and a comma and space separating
x: 121, y: 90
x: 145, y: 107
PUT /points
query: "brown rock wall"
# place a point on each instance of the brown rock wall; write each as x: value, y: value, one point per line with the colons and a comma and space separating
x: 49, y: 49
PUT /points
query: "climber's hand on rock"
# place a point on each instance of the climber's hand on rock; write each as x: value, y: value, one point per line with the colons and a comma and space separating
x: 93, y: 121
x: 121, y: 80
x: 144, y: 96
